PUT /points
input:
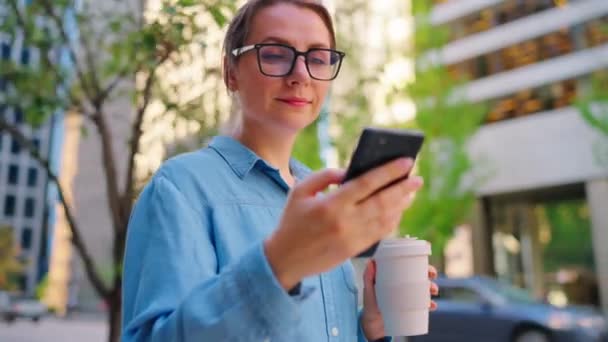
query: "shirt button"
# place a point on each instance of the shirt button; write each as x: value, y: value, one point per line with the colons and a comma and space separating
x: 335, y: 331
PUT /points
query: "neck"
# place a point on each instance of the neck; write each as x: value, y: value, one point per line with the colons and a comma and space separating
x: 273, y: 146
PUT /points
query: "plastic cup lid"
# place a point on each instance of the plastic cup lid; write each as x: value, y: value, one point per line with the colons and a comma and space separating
x: 406, y: 246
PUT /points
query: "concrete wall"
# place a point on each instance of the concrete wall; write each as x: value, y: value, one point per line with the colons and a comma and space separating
x: 543, y: 150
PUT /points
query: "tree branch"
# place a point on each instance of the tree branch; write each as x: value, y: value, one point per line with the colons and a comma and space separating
x: 109, y: 165
x: 136, y: 133
x: 77, y: 239
x: 48, y: 7
x: 90, y: 60
x: 110, y: 87
x: 47, y: 61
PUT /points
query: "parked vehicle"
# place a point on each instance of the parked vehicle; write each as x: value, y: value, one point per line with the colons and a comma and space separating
x: 12, y: 308
x: 29, y: 308
x: 484, y: 309
x: 6, y: 309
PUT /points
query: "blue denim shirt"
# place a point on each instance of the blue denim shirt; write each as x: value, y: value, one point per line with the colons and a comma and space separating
x: 195, y: 268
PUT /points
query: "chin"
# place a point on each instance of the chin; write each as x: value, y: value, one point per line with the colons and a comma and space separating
x: 296, y: 121
x: 302, y: 124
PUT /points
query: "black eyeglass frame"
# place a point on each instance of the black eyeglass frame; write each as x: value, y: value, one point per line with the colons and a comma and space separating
x: 239, y: 51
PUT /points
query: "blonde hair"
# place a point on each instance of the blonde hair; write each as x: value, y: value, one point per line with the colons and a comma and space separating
x: 238, y: 31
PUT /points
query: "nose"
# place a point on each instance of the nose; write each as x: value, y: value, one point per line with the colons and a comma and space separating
x: 299, y: 74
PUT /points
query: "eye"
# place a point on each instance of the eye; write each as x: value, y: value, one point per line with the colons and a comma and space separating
x: 318, y: 61
x: 275, y: 54
x: 319, y: 57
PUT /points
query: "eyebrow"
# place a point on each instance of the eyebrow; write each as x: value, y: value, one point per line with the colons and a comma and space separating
x: 283, y: 41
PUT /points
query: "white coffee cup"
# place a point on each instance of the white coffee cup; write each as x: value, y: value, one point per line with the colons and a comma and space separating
x: 402, y: 285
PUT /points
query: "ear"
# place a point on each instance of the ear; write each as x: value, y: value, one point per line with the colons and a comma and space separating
x: 229, y: 76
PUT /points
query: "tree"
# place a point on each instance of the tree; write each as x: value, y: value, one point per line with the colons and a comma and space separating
x: 448, y: 121
x: 348, y: 102
x: 593, y: 106
x: 10, y: 267
x: 118, y: 53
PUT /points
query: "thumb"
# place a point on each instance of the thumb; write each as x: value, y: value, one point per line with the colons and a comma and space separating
x: 318, y: 182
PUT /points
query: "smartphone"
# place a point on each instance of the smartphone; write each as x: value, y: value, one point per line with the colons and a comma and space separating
x: 378, y: 146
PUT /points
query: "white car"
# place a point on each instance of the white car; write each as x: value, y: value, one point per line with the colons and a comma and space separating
x: 12, y: 308
x: 6, y: 308
x: 29, y: 308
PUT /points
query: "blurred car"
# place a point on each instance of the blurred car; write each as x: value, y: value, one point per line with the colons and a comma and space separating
x: 12, y: 308
x: 484, y: 309
x: 29, y: 308
x: 6, y: 308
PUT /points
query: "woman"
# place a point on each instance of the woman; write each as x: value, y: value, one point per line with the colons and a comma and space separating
x: 232, y: 243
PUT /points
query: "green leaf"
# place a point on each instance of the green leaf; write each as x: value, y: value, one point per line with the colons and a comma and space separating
x: 187, y: 3
x: 115, y: 26
x: 217, y: 15
x: 169, y: 9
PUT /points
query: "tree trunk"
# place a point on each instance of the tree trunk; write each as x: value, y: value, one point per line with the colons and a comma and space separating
x: 114, y: 316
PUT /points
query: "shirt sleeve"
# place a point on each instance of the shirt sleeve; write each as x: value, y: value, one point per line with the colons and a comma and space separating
x: 172, y: 289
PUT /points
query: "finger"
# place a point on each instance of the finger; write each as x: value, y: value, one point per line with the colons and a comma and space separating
x: 318, y: 182
x: 369, y: 276
x: 433, y: 306
x: 398, y: 194
x: 365, y: 185
x: 390, y: 202
x: 434, y: 289
x: 369, y: 291
x: 432, y: 272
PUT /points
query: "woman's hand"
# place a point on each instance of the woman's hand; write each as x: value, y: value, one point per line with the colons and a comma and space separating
x: 371, y: 319
x: 318, y: 232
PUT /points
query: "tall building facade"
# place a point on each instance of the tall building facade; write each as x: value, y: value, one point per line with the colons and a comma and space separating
x: 27, y: 200
x: 541, y: 216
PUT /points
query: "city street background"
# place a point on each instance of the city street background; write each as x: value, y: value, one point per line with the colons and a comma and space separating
x: 87, y: 328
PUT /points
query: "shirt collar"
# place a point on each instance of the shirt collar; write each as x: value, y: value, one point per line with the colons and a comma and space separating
x: 241, y: 159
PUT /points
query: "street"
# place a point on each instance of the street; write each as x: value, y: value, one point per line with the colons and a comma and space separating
x: 87, y: 329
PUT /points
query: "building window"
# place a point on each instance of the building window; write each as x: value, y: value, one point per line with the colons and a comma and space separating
x: 15, y: 147
x: 36, y: 143
x: 32, y: 177
x: 19, y: 117
x: 484, y: 20
x: 6, y: 51
x: 25, y: 56
x: 9, y: 205
x: 532, y: 51
x: 26, y: 238
x: 29, y: 207
x: 596, y: 32
x: 13, y: 174
x: 530, y: 101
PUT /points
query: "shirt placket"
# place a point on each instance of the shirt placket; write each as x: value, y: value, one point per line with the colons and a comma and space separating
x: 333, y: 330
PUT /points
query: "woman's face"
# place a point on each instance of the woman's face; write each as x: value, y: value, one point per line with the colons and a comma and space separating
x: 287, y: 104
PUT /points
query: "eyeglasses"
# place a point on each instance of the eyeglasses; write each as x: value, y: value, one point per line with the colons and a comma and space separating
x: 278, y: 60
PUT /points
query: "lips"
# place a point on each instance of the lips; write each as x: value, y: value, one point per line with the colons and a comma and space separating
x: 295, y: 101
